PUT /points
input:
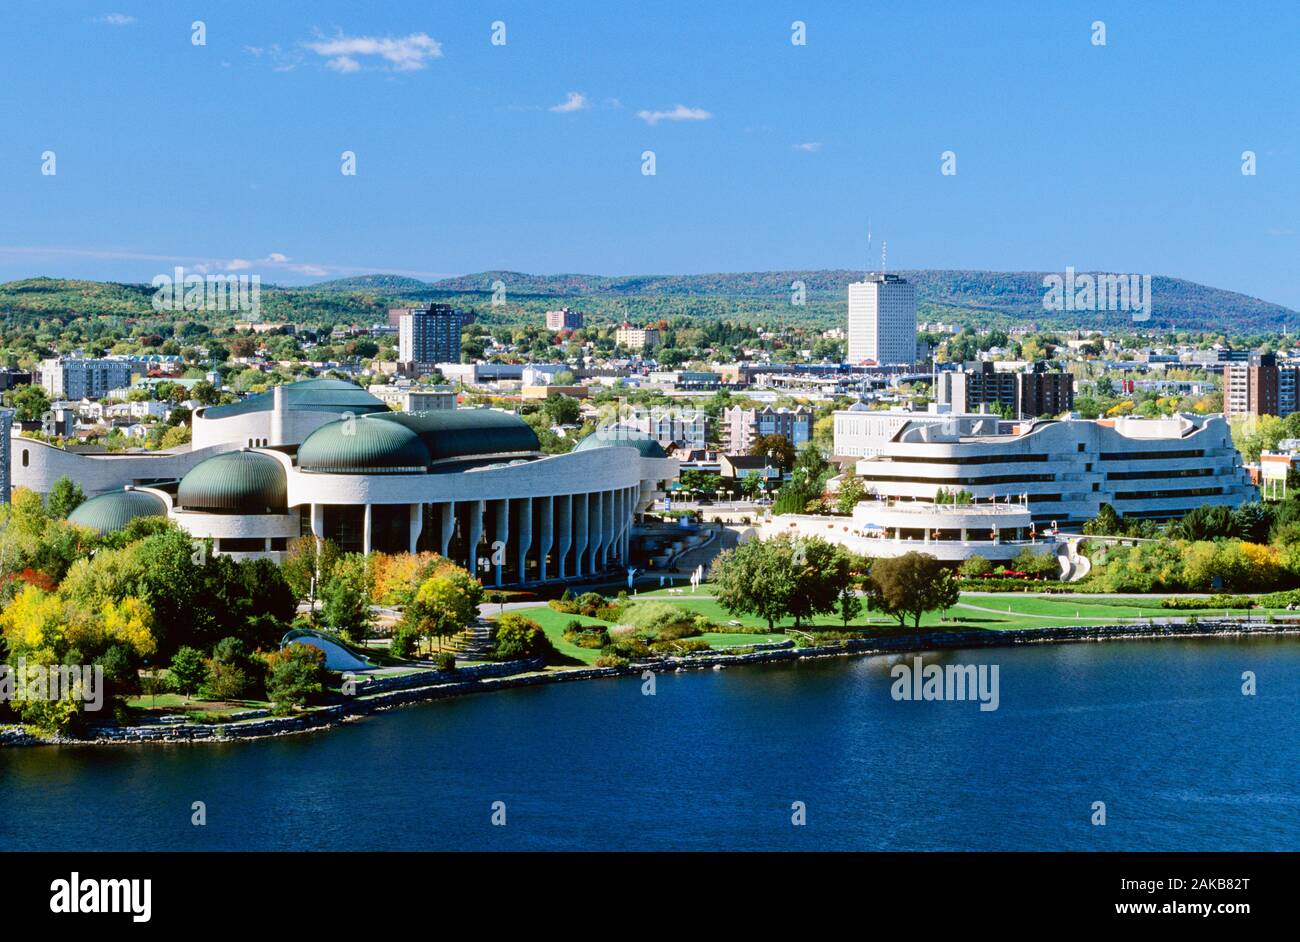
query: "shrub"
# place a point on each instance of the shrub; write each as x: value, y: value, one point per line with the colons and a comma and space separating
x: 294, y: 675
x: 519, y: 637
x: 589, y: 603
x: 403, y: 642
x: 446, y: 661
x: 975, y: 567
x: 564, y: 606
x: 611, y: 660
x: 654, y: 618
x: 679, y: 647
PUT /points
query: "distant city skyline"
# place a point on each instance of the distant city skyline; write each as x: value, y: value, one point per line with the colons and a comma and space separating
x: 768, y: 155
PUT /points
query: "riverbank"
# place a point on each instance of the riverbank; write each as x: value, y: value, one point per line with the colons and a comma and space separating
x: 385, y: 694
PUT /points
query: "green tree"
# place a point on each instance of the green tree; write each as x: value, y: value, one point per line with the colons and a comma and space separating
x: 294, y: 675
x: 562, y: 410
x: 345, y: 598
x: 188, y: 670
x: 975, y: 567
x: 852, y: 490
x: 445, y: 604
x: 65, y: 496
x: 30, y: 402
x: 755, y: 578
x: 777, y: 449
x: 910, y: 585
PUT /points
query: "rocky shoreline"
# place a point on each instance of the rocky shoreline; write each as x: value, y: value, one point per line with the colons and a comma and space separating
x: 386, y: 693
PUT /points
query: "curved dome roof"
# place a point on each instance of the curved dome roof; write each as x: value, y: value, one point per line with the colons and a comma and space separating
x: 363, y: 446
x: 108, y: 513
x: 457, y: 433
x: 240, y: 481
x: 624, y: 436
x: 308, y: 395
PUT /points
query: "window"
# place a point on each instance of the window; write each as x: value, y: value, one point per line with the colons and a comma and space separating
x: 26, y: 457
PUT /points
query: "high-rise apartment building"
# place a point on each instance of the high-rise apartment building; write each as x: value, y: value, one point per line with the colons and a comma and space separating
x: 882, y: 321
x: 1258, y: 386
x: 429, y: 335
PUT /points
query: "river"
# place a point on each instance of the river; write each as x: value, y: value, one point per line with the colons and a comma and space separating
x: 1159, y: 731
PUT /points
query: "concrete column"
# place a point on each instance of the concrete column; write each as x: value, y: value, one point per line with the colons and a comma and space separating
x: 546, y: 520
x: 279, y: 416
x: 579, y: 532
x: 629, y: 521
x: 595, y: 531
x: 366, y: 531
x: 500, y: 540
x: 475, y: 534
x: 448, y: 527
x: 563, y: 533
x: 525, y: 541
x: 611, y: 529
x: 629, y: 502
x: 417, y: 525
x: 318, y: 521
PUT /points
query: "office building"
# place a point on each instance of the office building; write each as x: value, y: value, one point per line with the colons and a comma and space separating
x: 882, y: 321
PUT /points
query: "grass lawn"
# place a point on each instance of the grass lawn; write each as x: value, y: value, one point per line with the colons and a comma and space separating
x: 553, y: 623
x: 1008, y: 612
x: 202, y: 710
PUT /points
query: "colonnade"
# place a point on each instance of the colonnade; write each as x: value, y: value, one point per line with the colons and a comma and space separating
x: 511, y: 540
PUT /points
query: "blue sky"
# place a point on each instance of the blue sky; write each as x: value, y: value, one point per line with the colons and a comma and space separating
x: 1123, y: 158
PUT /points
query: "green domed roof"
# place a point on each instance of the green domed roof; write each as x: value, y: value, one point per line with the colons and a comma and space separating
x: 457, y: 433
x: 363, y: 446
x: 108, y: 513
x: 308, y: 395
x: 240, y: 481
x: 622, y: 436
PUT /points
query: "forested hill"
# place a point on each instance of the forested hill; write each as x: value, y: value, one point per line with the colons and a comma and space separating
x: 967, y: 297
x: 980, y: 296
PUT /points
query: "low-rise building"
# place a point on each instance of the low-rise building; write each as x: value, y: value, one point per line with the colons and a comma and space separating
x: 742, y: 427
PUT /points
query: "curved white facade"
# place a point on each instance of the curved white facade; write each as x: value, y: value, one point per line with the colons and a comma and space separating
x: 1144, y: 468
x: 949, y: 533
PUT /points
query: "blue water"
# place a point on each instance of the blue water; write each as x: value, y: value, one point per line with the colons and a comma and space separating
x: 1159, y: 731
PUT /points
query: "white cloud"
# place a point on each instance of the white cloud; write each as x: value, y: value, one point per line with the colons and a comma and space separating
x: 576, y: 101
x: 400, y: 53
x: 116, y: 19
x: 344, y: 64
x: 679, y: 113
x: 811, y: 146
